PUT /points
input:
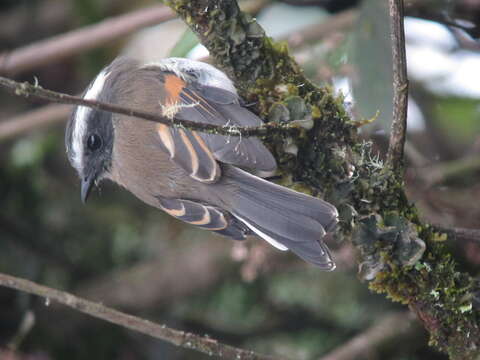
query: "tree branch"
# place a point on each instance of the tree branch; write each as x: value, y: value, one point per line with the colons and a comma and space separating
x: 390, y: 327
x: 77, y: 41
x: 28, y: 90
x: 182, y: 339
x: 400, y: 254
x: 458, y: 169
x: 461, y: 233
x: 33, y: 119
x: 400, y: 86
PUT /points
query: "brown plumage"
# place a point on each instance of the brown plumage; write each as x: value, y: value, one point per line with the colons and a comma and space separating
x: 193, y: 176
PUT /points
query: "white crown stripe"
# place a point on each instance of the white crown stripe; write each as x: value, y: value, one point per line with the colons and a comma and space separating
x: 81, y: 116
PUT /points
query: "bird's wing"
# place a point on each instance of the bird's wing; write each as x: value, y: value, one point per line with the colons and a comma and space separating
x: 198, y: 152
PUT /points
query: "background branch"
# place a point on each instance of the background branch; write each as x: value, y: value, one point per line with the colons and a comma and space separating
x: 78, y: 41
x: 390, y: 327
x: 183, y: 339
x: 33, y: 119
x: 400, y: 85
x: 461, y: 233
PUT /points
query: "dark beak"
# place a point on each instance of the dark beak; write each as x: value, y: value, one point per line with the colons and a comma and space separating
x: 87, y: 184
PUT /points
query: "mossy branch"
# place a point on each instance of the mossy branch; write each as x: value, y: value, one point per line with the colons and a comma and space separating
x: 400, y: 255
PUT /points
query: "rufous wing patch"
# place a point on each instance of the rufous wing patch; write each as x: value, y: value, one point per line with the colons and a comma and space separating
x: 173, y: 86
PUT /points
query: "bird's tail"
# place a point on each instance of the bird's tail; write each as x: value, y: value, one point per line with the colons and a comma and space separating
x: 285, y: 218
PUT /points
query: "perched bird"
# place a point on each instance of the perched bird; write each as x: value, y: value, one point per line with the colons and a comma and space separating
x: 193, y: 176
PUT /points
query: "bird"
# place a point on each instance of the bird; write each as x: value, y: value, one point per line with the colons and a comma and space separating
x: 208, y: 180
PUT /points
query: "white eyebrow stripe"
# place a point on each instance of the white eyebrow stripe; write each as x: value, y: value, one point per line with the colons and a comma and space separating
x: 81, y: 116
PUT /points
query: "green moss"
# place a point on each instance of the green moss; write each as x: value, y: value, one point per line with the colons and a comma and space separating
x: 439, y: 294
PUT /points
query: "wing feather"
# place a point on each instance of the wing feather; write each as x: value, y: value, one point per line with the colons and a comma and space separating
x: 197, y: 153
x: 227, y: 111
x: 205, y: 216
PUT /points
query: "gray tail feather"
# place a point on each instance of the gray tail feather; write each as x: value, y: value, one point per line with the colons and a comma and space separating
x: 285, y: 218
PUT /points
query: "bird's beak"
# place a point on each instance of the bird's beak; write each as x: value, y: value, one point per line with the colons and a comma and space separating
x: 87, y: 184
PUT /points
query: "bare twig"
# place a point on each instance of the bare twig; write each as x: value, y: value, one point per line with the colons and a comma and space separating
x: 28, y: 90
x: 400, y: 85
x: 388, y: 328
x: 461, y: 233
x: 52, y: 15
x: 183, y: 339
x: 466, y: 234
x: 77, y: 41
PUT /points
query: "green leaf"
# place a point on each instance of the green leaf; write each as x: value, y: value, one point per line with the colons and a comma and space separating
x: 186, y: 43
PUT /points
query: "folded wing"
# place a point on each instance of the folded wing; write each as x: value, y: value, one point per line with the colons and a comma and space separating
x: 198, y: 152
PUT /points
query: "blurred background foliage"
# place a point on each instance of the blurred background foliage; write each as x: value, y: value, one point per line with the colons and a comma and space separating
x: 119, y: 251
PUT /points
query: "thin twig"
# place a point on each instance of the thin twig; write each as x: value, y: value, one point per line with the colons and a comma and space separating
x: 77, y: 41
x: 183, y: 339
x: 460, y: 233
x: 400, y: 85
x: 362, y: 345
x: 467, y: 234
x: 50, y: 15
x: 28, y: 90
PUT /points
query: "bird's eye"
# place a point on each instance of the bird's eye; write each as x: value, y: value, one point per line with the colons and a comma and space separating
x: 94, y: 142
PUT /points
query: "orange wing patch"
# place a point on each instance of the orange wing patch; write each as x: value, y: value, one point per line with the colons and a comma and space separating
x: 173, y: 87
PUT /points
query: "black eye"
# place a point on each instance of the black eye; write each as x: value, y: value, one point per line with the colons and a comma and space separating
x: 94, y: 142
